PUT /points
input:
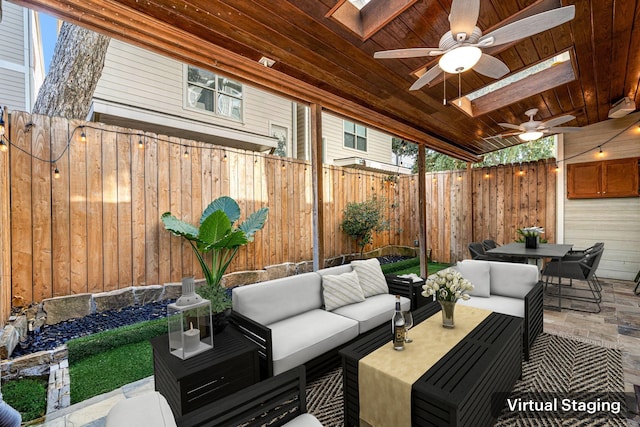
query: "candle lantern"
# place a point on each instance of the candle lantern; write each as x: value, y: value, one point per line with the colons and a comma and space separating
x: 189, y: 320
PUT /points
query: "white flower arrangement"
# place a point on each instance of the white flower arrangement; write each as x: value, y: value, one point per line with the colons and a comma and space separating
x: 447, y: 285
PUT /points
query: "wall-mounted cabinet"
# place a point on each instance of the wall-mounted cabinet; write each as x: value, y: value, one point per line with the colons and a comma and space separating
x: 607, y: 178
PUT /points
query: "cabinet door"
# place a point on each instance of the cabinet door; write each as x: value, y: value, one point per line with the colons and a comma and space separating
x: 584, y: 180
x: 620, y: 178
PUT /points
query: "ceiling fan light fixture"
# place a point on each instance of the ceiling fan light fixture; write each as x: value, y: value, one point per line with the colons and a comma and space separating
x: 460, y: 59
x: 530, y: 136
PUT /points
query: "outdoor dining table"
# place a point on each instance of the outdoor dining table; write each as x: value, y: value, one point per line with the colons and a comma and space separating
x: 544, y: 250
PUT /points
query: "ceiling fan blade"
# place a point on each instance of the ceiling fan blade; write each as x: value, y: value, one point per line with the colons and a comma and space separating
x: 507, y: 135
x: 510, y: 126
x: 426, y: 77
x: 491, y: 66
x: 406, y: 53
x: 556, y: 129
x: 531, y: 25
x: 463, y: 16
x: 557, y: 121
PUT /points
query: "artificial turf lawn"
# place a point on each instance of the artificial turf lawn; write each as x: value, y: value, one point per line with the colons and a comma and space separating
x: 27, y: 396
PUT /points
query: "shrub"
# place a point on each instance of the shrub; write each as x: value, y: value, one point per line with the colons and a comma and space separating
x: 362, y: 219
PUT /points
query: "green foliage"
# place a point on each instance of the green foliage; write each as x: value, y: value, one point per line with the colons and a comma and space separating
x: 362, y: 219
x: 219, y: 236
x: 27, y: 396
x: 542, y: 148
x: 411, y: 265
x: 106, y: 371
x: 404, y: 149
x: 102, y: 342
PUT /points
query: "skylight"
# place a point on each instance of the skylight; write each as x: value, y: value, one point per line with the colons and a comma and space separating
x: 359, y: 3
x: 544, y: 65
x: 545, y: 75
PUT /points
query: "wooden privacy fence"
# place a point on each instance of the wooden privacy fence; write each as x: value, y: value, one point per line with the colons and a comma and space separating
x: 96, y: 227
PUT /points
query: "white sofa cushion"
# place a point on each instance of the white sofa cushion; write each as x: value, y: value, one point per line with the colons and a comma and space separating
x: 374, y: 311
x: 478, y: 273
x: 371, y: 277
x: 304, y: 420
x: 145, y: 410
x: 274, y: 300
x: 341, y: 289
x: 298, y: 339
x: 497, y: 303
x: 512, y: 279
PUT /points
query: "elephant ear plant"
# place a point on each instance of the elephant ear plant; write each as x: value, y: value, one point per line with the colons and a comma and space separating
x: 219, y: 236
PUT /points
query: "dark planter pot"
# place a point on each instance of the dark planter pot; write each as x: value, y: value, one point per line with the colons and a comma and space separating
x: 531, y: 242
x: 220, y: 320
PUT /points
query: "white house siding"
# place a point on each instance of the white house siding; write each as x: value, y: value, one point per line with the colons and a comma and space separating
x: 378, y: 143
x: 13, y: 33
x: 613, y: 221
x: 12, y: 91
x: 147, y: 81
x: 14, y: 68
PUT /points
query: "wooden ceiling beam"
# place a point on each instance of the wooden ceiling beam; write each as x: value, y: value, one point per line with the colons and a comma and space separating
x: 111, y: 18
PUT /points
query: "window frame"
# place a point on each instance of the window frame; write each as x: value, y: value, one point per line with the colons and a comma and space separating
x: 217, y: 92
x: 355, y: 135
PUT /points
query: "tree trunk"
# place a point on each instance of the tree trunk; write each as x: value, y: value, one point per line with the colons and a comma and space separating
x: 75, y: 69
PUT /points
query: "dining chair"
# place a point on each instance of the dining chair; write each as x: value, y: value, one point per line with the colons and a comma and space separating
x: 477, y: 251
x: 489, y: 244
x: 582, y: 269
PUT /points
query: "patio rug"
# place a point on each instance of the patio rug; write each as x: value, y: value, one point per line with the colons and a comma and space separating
x: 585, y: 380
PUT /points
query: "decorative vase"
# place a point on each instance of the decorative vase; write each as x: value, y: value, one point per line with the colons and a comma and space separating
x: 531, y: 242
x: 448, y: 307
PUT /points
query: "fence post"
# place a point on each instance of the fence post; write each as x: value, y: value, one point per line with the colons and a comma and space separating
x: 5, y: 226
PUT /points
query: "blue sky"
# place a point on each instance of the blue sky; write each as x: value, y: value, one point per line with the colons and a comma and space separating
x: 49, y: 31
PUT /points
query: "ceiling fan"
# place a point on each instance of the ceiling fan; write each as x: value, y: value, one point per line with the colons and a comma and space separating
x: 534, y: 129
x: 461, y: 47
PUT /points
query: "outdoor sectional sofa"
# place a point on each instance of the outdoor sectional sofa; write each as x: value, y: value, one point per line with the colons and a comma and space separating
x: 507, y: 288
x: 307, y: 318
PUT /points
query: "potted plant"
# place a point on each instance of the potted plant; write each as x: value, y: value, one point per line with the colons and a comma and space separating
x: 217, y: 234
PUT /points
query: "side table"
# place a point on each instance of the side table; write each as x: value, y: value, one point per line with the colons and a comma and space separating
x: 230, y: 366
x: 408, y: 289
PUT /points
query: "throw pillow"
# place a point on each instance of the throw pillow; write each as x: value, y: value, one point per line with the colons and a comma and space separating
x: 477, y: 272
x: 371, y: 277
x: 340, y: 290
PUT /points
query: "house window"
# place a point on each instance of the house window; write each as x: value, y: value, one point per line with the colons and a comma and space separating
x: 355, y: 136
x: 216, y: 94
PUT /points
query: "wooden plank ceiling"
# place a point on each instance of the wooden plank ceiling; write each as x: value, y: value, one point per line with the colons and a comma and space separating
x: 319, y: 60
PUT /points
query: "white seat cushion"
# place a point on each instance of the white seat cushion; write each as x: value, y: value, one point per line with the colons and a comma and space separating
x: 298, y: 339
x: 497, y: 303
x: 145, y: 410
x: 304, y: 420
x: 374, y: 311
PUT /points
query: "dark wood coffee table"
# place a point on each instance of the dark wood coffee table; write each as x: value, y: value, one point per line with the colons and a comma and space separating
x: 467, y: 387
